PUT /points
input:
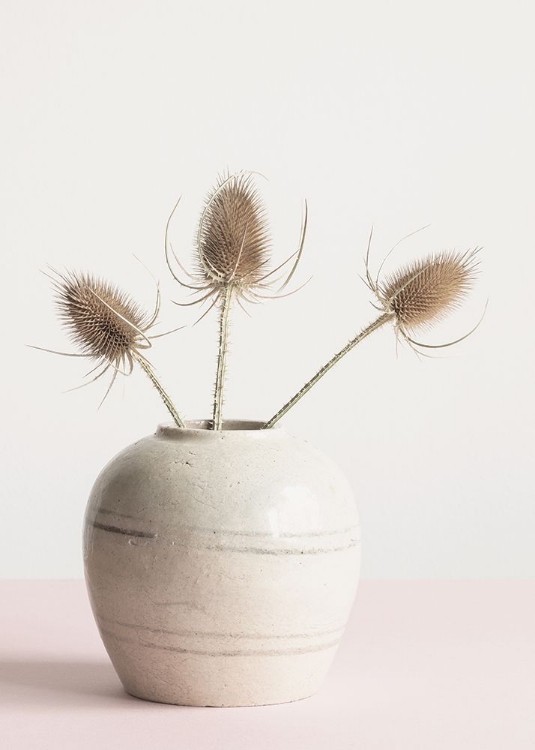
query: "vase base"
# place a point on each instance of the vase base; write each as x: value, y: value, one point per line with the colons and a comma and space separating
x: 219, y: 704
x: 230, y: 678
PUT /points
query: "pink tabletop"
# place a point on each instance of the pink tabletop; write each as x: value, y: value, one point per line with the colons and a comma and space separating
x: 424, y: 665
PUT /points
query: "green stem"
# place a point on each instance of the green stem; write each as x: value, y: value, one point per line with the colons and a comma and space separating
x: 381, y: 320
x: 147, y: 369
x: 224, y: 325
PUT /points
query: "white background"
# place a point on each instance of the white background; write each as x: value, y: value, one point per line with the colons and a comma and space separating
x: 392, y: 114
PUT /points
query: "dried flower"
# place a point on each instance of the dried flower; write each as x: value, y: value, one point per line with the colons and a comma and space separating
x: 427, y: 290
x: 232, y: 258
x: 415, y: 296
x: 102, y: 321
x: 233, y: 241
x: 232, y: 254
x: 232, y: 246
x: 107, y: 326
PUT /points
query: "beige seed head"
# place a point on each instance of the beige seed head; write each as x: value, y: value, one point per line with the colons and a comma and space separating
x: 425, y: 291
x: 233, y: 238
x: 102, y: 321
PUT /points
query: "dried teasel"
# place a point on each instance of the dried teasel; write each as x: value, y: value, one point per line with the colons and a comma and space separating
x: 424, y: 292
x: 231, y: 263
x: 413, y: 297
x: 232, y: 259
x: 233, y: 242
x: 108, y: 327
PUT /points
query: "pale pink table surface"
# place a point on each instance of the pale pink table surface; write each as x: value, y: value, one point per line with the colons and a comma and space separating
x: 423, y: 665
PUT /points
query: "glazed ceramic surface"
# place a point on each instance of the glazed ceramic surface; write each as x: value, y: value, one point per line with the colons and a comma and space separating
x: 221, y: 566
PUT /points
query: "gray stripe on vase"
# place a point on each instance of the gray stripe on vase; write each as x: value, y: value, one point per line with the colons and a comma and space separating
x: 225, y: 548
x: 281, y: 552
x: 126, y: 532
x: 244, y: 652
x: 228, y: 532
x: 205, y: 634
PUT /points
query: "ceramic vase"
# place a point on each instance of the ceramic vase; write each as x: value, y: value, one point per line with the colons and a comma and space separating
x: 221, y: 566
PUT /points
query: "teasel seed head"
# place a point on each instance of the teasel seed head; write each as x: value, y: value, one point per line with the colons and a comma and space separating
x: 424, y: 292
x: 232, y: 248
x: 107, y: 326
x: 233, y: 242
x: 232, y: 254
x: 418, y: 295
x: 102, y: 321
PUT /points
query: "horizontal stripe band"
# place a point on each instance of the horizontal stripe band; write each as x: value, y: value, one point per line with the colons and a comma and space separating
x: 243, y: 652
x: 205, y: 634
x: 229, y: 532
x: 225, y: 548
x: 126, y: 532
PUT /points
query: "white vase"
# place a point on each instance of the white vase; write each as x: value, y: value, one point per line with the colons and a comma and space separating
x: 221, y: 566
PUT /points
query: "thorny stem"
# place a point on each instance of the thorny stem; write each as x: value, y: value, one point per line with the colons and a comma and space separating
x: 147, y: 368
x: 224, y: 324
x: 381, y: 320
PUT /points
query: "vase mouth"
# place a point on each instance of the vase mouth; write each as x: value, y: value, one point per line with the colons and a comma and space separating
x: 202, y: 427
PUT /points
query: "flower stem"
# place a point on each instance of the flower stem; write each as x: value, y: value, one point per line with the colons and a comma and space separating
x: 147, y: 369
x: 381, y: 320
x: 224, y: 326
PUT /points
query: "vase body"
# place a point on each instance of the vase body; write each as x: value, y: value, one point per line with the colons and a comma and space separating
x: 221, y: 566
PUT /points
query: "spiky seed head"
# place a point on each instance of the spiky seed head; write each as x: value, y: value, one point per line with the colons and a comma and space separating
x: 102, y: 321
x: 425, y: 291
x: 233, y: 239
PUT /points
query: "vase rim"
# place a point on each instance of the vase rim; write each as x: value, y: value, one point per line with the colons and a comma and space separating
x: 201, y: 427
